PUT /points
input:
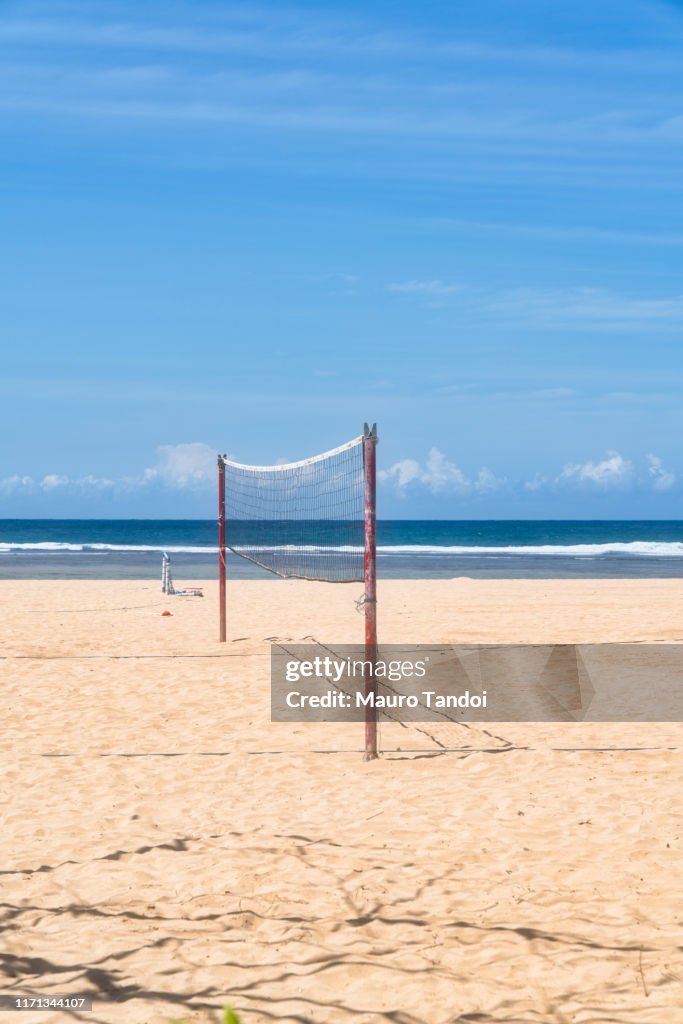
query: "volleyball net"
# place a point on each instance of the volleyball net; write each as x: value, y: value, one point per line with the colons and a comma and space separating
x: 314, y: 519
x: 300, y: 519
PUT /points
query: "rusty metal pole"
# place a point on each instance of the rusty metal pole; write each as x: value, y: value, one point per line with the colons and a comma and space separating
x: 370, y: 517
x: 222, y: 626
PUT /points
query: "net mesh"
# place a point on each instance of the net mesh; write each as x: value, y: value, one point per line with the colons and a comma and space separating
x: 303, y: 519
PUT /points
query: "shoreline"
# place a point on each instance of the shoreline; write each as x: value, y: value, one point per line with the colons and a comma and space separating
x: 37, y: 565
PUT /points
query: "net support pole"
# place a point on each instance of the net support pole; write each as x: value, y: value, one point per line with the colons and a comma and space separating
x: 222, y: 624
x: 370, y: 572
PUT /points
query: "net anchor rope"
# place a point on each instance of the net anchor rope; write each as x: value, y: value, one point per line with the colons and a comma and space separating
x: 360, y: 602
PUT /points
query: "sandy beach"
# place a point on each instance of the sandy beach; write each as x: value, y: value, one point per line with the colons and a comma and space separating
x: 167, y: 848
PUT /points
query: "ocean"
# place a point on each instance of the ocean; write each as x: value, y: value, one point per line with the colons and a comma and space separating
x: 512, y: 549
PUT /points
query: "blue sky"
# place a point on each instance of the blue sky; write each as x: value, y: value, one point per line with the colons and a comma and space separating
x: 250, y: 228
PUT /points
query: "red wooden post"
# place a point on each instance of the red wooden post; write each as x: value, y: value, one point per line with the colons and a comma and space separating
x: 370, y: 516
x: 221, y: 551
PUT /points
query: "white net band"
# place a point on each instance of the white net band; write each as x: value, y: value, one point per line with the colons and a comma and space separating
x: 283, y: 467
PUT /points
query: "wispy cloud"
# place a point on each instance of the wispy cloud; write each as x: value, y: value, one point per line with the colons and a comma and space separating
x: 260, y: 31
x: 432, y: 289
x: 553, y: 309
x: 179, y: 38
x: 597, y: 308
x: 562, y: 232
x: 341, y: 73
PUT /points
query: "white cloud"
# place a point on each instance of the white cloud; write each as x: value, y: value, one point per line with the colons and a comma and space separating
x: 536, y: 483
x: 662, y: 479
x: 438, y: 474
x: 16, y: 483
x: 96, y: 483
x: 183, y: 465
x: 612, y: 471
x: 178, y: 466
x: 54, y: 480
x: 402, y: 473
x: 193, y: 465
x: 486, y: 480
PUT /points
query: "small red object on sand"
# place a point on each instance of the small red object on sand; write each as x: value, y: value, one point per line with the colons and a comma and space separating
x: 165, y: 613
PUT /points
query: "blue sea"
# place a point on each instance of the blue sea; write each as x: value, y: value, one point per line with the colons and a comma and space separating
x: 514, y: 549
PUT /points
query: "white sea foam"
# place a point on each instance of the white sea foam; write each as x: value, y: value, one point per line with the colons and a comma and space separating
x: 49, y: 545
x: 637, y: 548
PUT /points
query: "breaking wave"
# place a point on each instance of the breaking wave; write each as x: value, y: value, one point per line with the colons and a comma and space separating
x: 635, y: 549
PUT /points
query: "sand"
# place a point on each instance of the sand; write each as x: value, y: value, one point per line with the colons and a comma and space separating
x: 167, y: 848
